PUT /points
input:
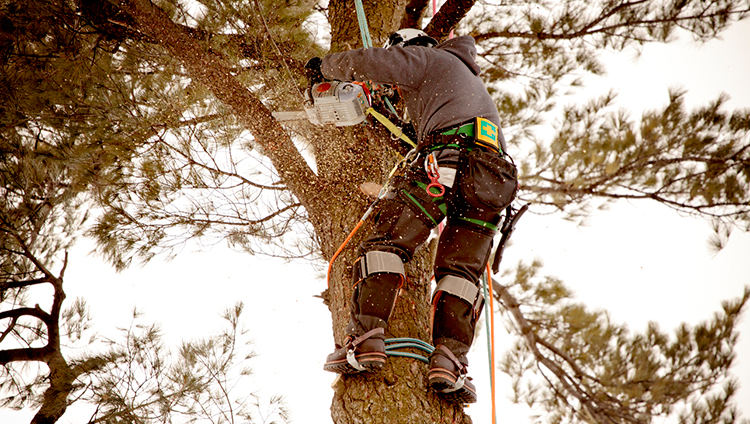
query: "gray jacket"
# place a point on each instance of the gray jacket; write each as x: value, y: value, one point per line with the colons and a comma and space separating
x: 440, y: 85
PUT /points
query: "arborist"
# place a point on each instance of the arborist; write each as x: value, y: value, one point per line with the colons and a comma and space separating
x: 461, y: 171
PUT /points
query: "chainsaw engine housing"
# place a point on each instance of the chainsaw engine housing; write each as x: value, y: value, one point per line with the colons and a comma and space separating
x: 336, y: 102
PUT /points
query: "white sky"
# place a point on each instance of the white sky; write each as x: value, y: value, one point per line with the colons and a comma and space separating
x: 640, y: 261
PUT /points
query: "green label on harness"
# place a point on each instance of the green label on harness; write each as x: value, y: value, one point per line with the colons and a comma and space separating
x: 486, y: 133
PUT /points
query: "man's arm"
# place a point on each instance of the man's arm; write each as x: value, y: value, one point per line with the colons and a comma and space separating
x: 397, y: 66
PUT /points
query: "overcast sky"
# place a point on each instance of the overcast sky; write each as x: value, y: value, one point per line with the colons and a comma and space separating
x: 640, y: 261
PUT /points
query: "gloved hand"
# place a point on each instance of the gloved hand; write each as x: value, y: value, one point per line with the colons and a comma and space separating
x: 312, y: 70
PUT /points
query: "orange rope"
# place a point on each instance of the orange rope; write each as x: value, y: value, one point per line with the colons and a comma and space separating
x: 492, y: 341
x: 338, y: 252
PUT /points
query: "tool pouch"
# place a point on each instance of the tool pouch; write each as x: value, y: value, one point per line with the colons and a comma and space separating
x: 488, y: 181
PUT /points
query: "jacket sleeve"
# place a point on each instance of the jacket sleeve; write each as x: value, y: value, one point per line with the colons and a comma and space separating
x: 396, y: 65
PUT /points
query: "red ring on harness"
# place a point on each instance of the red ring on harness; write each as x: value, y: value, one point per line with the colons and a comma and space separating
x: 435, y: 184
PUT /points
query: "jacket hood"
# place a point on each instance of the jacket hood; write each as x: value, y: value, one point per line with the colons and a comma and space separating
x: 464, y: 48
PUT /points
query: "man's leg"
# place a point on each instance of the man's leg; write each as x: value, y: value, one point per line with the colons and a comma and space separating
x: 463, y: 251
x: 401, y: 227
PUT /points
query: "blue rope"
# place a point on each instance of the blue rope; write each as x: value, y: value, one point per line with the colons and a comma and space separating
x: 404, y: 342
x: 363, y: 28
x: 419, y: 344
x: 390, y: 106
x: 408, y: 355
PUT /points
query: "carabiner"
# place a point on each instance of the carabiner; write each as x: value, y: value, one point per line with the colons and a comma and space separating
x: 431, y: 168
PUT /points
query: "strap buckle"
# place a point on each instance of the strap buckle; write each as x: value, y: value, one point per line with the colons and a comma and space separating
x: 461, y: 368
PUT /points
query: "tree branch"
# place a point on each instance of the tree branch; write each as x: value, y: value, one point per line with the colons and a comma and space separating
x: 449, y: 15
x: 210, y: 72
x: 7, y: 285
x: 597, y: 408
x: 40, y: 354
x: 590, y: 28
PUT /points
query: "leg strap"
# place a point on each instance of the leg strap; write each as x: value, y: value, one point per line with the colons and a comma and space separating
x: 460, y: 368
x: 351, y: 347
x: 375, y: 262
x: 462, y: 289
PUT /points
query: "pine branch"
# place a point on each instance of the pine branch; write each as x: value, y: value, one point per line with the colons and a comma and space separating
x: 210, y: 72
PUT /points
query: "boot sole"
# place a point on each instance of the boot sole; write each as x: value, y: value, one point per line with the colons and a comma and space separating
x: 440, y: 379
x: 371, y: 361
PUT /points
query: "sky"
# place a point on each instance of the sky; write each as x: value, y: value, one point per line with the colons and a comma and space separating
x: 640, y: 261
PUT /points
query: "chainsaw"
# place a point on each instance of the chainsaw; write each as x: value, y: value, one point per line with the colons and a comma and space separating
x: 331, y: 103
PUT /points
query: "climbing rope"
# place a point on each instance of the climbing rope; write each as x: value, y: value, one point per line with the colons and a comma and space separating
x: 391, y: 346
x: 362, y: 20
x: 381, y: 194
x: 489, y: 315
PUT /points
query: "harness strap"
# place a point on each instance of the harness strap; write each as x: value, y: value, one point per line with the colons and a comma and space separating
x: 479, y: 133
x: 375, y: 262
x: 462, y: 289
x: 423, y: 205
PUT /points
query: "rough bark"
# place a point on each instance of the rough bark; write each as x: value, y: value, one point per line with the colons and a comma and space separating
x: 397, y: 394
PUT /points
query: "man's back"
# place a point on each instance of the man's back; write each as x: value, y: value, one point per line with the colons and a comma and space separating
x: 440, y: 85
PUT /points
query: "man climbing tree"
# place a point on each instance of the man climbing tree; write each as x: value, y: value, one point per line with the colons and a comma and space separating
x: 215, y: 71
x: 461, y: 170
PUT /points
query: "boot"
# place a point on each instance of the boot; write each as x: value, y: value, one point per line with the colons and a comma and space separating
x: 448, y: 374
x: 454, y: 320
x: 365, y: 353
x: 363, y: 349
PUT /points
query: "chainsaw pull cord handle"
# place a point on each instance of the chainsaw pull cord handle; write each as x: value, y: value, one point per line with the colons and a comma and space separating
x: 431, y: 167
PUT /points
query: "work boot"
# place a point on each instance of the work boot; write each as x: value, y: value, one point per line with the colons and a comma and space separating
x: 363, y: 349
x: 365, y: 353
x: 447, y: 374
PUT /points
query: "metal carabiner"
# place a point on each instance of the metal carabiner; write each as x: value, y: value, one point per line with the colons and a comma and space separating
x: 431, y: 168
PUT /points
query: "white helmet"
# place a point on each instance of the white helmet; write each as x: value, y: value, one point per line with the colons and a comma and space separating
x: 410, y: 37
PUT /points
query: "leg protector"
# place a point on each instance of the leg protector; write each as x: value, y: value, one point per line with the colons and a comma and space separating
x: 377, y: 278
x: 457, y: 304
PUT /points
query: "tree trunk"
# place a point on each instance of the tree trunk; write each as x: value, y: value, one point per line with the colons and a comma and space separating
x: 398, y: 393
x: 61, y: 380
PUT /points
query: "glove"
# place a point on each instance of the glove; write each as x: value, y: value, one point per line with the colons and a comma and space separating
x: 312, y: 70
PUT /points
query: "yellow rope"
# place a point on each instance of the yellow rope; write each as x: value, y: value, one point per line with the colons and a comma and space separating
x: 391, y: 126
